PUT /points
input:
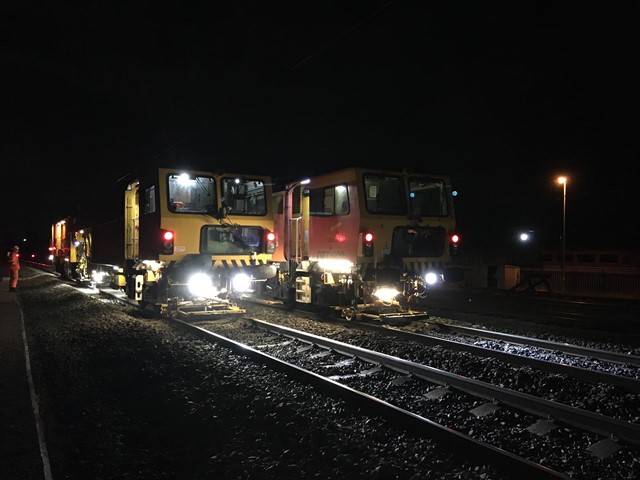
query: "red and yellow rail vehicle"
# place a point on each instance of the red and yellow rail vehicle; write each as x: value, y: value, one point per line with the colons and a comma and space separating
x: 364, y: 242
x: 185, y: 240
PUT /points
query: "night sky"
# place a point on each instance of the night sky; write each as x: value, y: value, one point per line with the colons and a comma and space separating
x: 501, y: 99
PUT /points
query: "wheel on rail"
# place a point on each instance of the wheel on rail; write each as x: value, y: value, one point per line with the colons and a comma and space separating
x: 349, y: 314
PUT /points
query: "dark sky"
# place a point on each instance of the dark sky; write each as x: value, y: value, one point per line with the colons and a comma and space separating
x: 501, y: 99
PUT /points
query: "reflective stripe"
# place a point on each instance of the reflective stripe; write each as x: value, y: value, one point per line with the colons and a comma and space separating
x: 237, y: 263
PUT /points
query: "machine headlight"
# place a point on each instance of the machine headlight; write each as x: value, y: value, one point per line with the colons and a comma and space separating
x: 386, y: 294
x: 335, y: 265
x: 98, y: 277
x: 431, y: 278
x: 200, y: 285
x: 241, y: 282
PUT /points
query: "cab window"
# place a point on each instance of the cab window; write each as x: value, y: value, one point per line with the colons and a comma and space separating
x: 191, y: 194
x: 329, y: 201
x: 428, y: 197
x: 243, y: 196
x: 385, y: 194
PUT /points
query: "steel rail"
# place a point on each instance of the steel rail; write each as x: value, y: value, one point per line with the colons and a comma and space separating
x: 593, y: 376
x: 481, y: 451
x: 615, y: 357
x: 583, y: 419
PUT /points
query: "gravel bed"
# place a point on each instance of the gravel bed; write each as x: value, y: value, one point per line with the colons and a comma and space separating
x: 603, y: 399
x: 564, y: 449
x: 127, y: 397
x: 626, y: 370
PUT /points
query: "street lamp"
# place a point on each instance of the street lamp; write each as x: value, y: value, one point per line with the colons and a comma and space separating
x: 563, y: 180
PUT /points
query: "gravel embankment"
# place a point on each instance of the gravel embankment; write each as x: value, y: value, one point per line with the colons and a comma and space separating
x: 564, y: 449
x: 126, y: 397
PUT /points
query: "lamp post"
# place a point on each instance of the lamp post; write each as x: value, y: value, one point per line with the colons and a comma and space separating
x: 563, y: 180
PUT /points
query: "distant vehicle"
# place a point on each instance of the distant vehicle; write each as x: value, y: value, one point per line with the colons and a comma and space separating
x: 184, y: 241
x: 367, y: 243
x: 359, y: 242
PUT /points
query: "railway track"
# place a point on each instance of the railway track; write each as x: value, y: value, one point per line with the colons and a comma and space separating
x: 586, y: 420
x: 320, y: 361
x: 577, y: 350
x: 588, y: 364
x: 559, y: 359
x: 296, y: 353
x: 594, y: 365
x: 370, y: 372
x: 484, y: 418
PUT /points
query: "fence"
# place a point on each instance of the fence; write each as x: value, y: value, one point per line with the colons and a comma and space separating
x: 606, y: 283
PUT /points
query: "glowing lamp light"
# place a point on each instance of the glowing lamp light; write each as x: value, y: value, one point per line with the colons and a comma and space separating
x: 562, y: 180
x: 98, y: 277
x: 431, y: 278
x: 241, y: 282
x: 168, y: 236
x: 386, y: 294
x: 367, y: 244
x: 184, y: 179
x: 455, y: 238
x: 201, y: 285
x: 335, y: 265
x: 340, y: 237
x: 271, y: 237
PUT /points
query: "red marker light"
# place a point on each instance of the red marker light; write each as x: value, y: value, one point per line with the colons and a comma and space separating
x: 454, y: 244
x: 271, y: 240
x: 367, y: 244
x: 340, y: 237
x: 167, y: 243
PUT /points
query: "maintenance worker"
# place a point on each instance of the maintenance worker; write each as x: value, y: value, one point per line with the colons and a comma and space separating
x: 14, y: 267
